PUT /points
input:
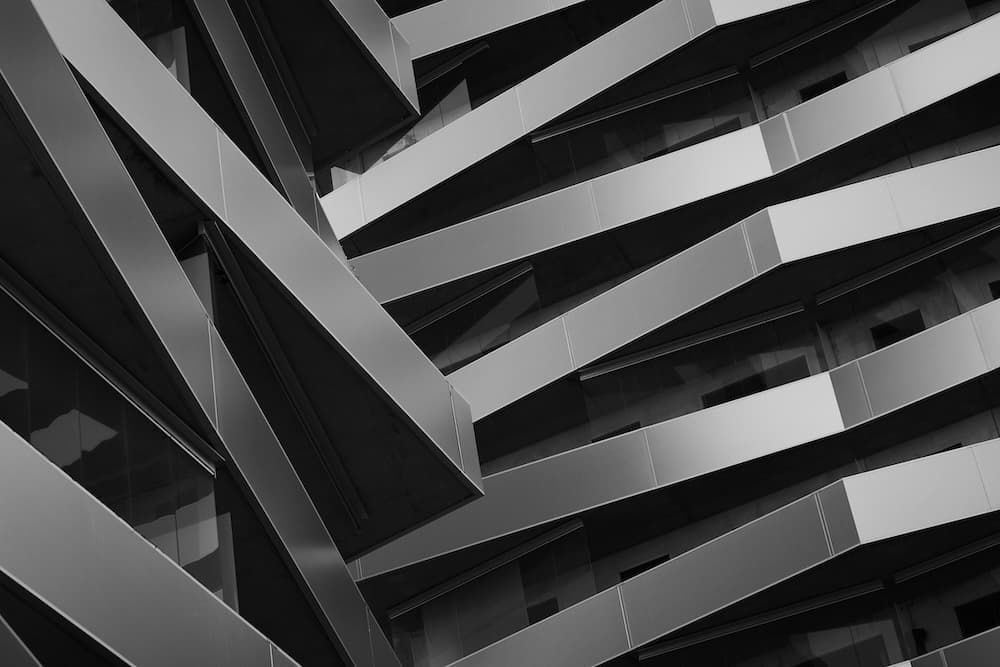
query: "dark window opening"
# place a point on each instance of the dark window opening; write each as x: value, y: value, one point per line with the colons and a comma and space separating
x: 642, y: 567
x: 979, y: 615
x: 995, y: 289
x: 897, y: 329
x: 822, y: 86
x: 542, y: 610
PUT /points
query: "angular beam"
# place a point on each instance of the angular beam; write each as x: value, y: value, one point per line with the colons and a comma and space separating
x: 82, y: 561
x: 448, y: 23
x: 708, y: 169
x: 322, y: 294
x: 75, y: 148
x: 609, y: 59
x: 823, y: 527
x: 709, y: 440
x: 757, y: 246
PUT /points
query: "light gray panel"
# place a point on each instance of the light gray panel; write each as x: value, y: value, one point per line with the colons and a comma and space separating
x: 451, y: 149
x: 744, y: 429
x: 261, y: 462
x: 728, y: 11
x: 778, y: 142
x: 515, y: 370
x: 404, y: 65
x: 710, y: 578
x: 986, y: 320
x: 584, y: 635
x: 327, y: 290
x: 658, y: 295
x: 65, y: 122
x: 949, y: 65
x: 466, y: 438
x: 844, y: 113
x: 12, y: 650
x: 279, y: 658
x: 91, y: 568
x: 979, y: 651
x: 597, y: 66
x: 344, y: 209
x: 934, y: 660
x: 682, y: 177
x: 969, y: 181
x: 479, y: 244
x: 252, y: 93
x: 916, y: 495
x: 763, y: 245
x: 138, y: 88
x: 838, y: 518
x: 850, y: 393
x: 700, y: 17
x: 988, y: 459
x: 922, y: 365
x: 526, y: 496
x: 834, y: 219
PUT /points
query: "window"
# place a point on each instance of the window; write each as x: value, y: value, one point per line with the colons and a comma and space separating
x: 897, y: 329
x: 979, y: 615
x: 822, y: 86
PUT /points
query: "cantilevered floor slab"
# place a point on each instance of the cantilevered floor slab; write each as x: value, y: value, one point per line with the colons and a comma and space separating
x: 749, y: 428
x: 837, y: 533
x: 711, y: 168
x: 597, y: 66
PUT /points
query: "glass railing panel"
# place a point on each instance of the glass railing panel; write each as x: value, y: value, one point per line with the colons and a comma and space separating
x: 82, y: 424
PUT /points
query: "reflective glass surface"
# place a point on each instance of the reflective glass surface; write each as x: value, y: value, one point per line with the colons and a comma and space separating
x: 692, y: 374
x: 82, y: 424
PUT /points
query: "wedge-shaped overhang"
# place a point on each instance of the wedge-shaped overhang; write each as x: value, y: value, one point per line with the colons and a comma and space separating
x: 342, y: 346
x: 370, y: 61
x: 709, y: 440
x: 884, y: 519
x: 442, y: 25
x: 511, y: 115
x: 59, y: 122
x: 103, y: 577
x: 759, y: 246
x: 711, y: 168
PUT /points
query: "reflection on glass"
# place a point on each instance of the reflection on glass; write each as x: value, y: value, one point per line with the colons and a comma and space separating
x: 685, y: 376
x: 496, y: 604
x: 83, y: 425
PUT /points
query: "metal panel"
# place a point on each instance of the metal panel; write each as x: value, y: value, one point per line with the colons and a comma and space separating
x: 986, y: 321
x: 682, y: 177
x: 607, y: 60
x: 12, y: 649
x: 404, y: 67
x: 844, y: 113
x: 327, y: 289
x: 91, y: 568
x: 344, y: 208
x: 988, y: 459
x: 834, y: 219
x: 700, y: 16
x: 709, y: 578
x: 63, y: 120
x: 270, y: 478
x: 744, y: 429
x: 442, y: 155
x: 979, y: 651
x: 466, y: 438
x: 953, y: 64
x: 583, y: 635
x: 448, y: 23
x: 654, y: 297
x: 526, y: 496
x: 850, y: 393
x: 916, y: 495
x: 922, y: 365
x: 139, y: 88
x: 778, y: 141
x: 515, y: 370
x: 968, y: 180
x: 760, y: 239
x: 837, y: 517
x: 479, y: 244
x: 261, y: 113
x: 279, y: 658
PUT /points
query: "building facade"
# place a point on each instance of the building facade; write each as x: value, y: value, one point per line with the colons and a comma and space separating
x: 396, y: 333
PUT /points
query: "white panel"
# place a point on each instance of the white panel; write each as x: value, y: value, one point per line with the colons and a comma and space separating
x: 343, y: 208
x: 988, y: 459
